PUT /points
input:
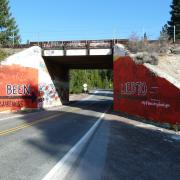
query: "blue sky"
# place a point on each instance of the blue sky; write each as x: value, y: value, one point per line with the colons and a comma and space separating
x: 89, y: 19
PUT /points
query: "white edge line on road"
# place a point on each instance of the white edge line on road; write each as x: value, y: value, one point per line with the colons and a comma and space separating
x: 65, y: 164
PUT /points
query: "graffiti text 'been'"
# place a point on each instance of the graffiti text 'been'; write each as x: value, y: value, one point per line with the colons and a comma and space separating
x: 18, y: 89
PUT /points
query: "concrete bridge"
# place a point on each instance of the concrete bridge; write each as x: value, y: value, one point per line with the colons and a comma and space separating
x: 38, y: 77
x: 93, y: 54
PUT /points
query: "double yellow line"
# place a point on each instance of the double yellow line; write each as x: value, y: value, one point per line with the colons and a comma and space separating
x: 26, y: 125
x: 35, y: 122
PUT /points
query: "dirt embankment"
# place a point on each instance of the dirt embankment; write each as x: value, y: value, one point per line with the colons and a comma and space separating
x: 167, y: 63
x: 170, y: 64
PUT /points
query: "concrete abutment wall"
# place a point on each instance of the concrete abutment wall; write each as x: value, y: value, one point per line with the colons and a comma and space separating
x: 142, y: 91
x: 25, y: 82
x: 60, y: 77
x: 29, y: 81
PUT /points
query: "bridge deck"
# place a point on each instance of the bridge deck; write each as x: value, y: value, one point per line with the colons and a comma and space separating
x: 79, y: 48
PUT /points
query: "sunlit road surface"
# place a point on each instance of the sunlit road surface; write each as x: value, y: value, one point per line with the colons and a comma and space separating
x: 32, y: 144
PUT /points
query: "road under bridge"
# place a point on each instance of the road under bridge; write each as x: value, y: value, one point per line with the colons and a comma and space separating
x: 139, y: 89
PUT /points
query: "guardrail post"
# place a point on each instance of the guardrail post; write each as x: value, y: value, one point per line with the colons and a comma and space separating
x: 64, y: 48
x: 87, y: 48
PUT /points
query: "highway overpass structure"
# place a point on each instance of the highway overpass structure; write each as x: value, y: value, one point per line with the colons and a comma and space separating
x: 38, y: 77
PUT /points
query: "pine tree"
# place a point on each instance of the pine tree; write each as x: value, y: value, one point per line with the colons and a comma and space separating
x: 145, y: 38
x: 9, y: 32
x: 175, y: 19
x: 164, y: 33
x: 94, y: 78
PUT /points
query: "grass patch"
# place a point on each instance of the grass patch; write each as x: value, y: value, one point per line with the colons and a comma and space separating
x: 3, y: 55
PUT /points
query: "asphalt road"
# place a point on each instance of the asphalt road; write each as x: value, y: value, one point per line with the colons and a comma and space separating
x: 31, y: 144
x: 122, y: 147
x: 140, y: 151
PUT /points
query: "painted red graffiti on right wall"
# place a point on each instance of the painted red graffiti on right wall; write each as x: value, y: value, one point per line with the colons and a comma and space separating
x: 138, y: 91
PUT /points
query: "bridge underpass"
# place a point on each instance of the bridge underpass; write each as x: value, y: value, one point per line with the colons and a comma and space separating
x: 49, y: 141
x: 59, y: 60
x: 139, y: 89
x: 80, y: 62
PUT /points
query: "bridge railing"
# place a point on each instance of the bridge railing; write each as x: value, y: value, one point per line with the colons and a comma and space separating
x: 85, y: 44
x: 82, y: 44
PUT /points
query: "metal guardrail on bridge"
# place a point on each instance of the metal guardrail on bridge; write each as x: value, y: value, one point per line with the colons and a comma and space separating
x: 96, y: 44
x: 85, y: 44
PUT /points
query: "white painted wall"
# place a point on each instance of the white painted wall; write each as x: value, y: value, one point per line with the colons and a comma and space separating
x: 100, y: 52
x: 119, y: 50
x: 27, y: 58
x: 76, y: 52
x: 53, y: 53
x: 32, y: 57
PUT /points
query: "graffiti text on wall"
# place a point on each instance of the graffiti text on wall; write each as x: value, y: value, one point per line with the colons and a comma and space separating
x: 134, y: 88
x: 16, y: 95
x: 156, y: 104
x: 11, y: 103
x: 18, y: 89
x: 48, y: 93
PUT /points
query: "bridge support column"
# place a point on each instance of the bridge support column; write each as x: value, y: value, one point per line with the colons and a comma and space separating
x: 60, y: 78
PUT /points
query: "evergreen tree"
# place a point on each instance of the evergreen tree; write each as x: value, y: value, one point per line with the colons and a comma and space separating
x: 145, y: 38
x: 94, y: 78
x: 9, y: 32
x: 175, y: 19
x: 164, y: 33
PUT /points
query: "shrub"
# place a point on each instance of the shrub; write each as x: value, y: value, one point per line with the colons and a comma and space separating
x: 3, y: 55
x: 145, y: 57
x: 137, y: 44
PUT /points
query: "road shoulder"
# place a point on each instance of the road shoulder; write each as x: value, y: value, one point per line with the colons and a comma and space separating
x: 138, y: 150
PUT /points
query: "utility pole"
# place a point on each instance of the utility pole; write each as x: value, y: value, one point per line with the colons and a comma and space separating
x: 174, y: 37
x: 114, y: 36
x: 38, y: 38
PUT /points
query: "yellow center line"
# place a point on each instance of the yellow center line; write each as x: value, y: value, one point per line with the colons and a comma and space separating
x: 26, y: 125
x: 35, y: 122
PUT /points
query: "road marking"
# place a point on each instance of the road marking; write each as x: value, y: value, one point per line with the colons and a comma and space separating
x: 11, y: 117
x: 54, y: 108
x: 61, y: 169
x: 26, y: 125
x: 35, y: 122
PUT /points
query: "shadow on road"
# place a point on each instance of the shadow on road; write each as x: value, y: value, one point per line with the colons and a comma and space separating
x: 133, y: 152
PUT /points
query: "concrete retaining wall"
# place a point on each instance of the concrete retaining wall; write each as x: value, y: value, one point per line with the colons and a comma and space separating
x: 144, y: 91
x: 26, y: 83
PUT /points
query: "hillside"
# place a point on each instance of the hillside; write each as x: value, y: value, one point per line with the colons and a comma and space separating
x: 170, y: 64
x: 6, y: 52
x: 166, y: 64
